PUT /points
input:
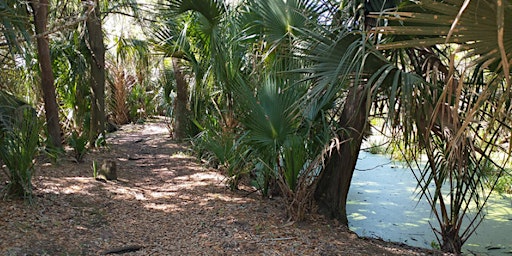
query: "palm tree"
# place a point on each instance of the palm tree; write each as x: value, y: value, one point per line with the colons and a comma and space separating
x: 246, y: 53
x: 95, y: 12
x: 166, y: 41
x: 190, y: 36
x: 459, y: 120
x: 14, y: 24
x: 282, y: 39
x: 97, y: 69
x: 347, y: 77
x: 40, y: 12
x: 130, y: 68
x: 68, y: 50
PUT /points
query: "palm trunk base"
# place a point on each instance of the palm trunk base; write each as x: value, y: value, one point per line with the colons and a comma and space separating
x: 452, y: 242
x: 334, y: 183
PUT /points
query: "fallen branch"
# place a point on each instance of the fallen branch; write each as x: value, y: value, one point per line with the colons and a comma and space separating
x: 124, y: 249
x: 276, y: 239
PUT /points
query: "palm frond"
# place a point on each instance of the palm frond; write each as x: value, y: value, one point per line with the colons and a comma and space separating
x: 14, y: 25
x: 471, y: 24
x: 270, y: 112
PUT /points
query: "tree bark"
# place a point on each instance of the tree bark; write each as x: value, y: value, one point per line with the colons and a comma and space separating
x: 452, y: 242
x: 40, y: 9
x: 180, y: 104
x: 97, y: 82
x: 334, y: 181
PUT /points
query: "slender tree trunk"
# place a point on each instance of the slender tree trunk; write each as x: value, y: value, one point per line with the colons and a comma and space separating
x: 180, y: 104
x: 47, y: 80
x: 97, y: 82
x: 334, y: 184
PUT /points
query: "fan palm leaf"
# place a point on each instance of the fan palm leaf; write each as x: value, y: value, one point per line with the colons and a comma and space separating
x: 271, y: 114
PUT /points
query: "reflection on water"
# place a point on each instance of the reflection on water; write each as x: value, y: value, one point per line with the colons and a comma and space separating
x: 382, y: 203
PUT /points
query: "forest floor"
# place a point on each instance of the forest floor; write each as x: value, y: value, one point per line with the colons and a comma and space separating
x: 163, y: 203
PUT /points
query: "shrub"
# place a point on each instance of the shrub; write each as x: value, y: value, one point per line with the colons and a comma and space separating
x: 221, y: 150
x: 79, y: 145
x: 18, y: 147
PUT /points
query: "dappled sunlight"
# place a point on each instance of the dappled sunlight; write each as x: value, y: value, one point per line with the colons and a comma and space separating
x: 499, y: 208
x: 366, y: 211
x: 181, y: 155
x: 200, y: 178
x: 66, y: 185
x: 225, y: 198
x: 127, y: 193
x: 162, y: 194
x: 162, y: 170
x: 163, y: 207
x: 155, y: 130
x: 163, y: 198
x: 418, y: 220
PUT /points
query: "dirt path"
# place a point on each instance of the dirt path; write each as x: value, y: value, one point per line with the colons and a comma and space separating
x: 164, y: 203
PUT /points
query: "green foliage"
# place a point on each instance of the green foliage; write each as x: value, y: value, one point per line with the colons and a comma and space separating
x: 79, y: 144
x: 71, y: 69
x: 504, y: 184
x: 215, y: 146
x: 398, y: 151
x: 477, y: 28
x: 270, y: 119
x: 259, y: 177
x: 54, y: 154
x: 295, y: 157
x: 435, y: 245
x: 14, y: 20
x: 19, y: 140
x: 222, y: 150
x: 95, y: 169
x: 141, y: 103
x: 101, y: 141
x: 498, y: 180
x: 438, y: 119
x: 134, y: 93
x: 250, y: 68
x: 245, y: 99
x: 376, y: 148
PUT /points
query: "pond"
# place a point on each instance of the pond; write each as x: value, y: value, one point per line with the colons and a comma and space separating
x: 383, y: 203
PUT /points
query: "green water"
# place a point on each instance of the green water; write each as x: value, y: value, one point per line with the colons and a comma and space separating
x: 382, y: 203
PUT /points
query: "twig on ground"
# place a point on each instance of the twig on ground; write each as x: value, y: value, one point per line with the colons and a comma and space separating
x: 124, y: 249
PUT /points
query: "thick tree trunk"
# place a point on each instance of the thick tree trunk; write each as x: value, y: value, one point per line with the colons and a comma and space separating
x: 180, y: 104
x: 334, y: 184
x: 97, y: 82
x: 47, y: 80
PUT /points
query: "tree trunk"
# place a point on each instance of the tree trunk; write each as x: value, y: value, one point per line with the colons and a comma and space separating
x: 47, y: 80
x: 452, y: 242
x: 180, y: 104
x: 97, y: 82
x: 334, y: 183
